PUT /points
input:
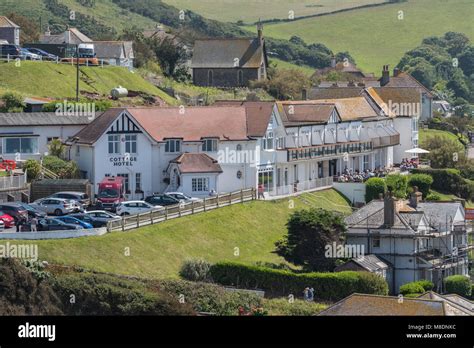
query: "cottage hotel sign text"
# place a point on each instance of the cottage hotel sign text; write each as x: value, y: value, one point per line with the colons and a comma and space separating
x: 123, y: 161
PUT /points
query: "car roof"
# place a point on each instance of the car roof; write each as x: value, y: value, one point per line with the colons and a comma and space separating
x: 69, y: 192
x: 134, y: 202
x: 57, y: 198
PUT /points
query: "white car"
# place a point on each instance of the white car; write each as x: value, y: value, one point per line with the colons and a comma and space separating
x: 102, y: 215
x: 182, y: 197
x: 56, y: 206
x: 135, y: 207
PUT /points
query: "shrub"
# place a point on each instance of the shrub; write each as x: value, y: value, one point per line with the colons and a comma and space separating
x: 211, y: 298
x: 458, y: 284
x: 281, y: 306
x: 96, y: 294
x: 449, y: 181
x: 418, y: 287
x: 433, y: 197
x: 397, y: 184
x: 328, y: 286
x: 196, y: 270
x: 373, y: 188
x: 65, y: 169
x: 33, y: 169
x: 13, y: 102
x: 422, y: 181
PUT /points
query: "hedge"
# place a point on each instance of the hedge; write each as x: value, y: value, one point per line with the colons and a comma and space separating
x: 327, y: 286
x: 449, y: 181
x: 418, y: 287
x: 422, y: 181
x: 458, y: 284
x: 373, y: 188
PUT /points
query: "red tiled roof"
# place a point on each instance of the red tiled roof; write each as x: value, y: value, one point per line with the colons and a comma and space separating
x: 197, y: 163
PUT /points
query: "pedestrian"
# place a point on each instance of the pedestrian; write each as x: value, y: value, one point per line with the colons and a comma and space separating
x: 17, y: 223
x: 261, y: 189
x: 34, y: 224
x: 311, y: 294
x: 306, y: 294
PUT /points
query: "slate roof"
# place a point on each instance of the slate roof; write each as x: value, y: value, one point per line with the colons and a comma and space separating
x: 453, y: 305
x: 335, y: 92
x: 90, y: 134
x: 437, y: 213
x: 406, y: 80
x: 294, y: 114
x: 221, y: 53
x: 75, y: 37
x: 40, y: 119
x: 370, y: 262
x: 374, y: 305
x: 197, y: 163
x: 7, y: 23
x: 114, y: 49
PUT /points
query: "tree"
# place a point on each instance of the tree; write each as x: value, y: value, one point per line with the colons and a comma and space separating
x: 285, y: 84
x: 13, y: 102
x: 444, y: 152
x: 397, y: 184
x: 170, y: 54
x: 56, y: 148
x: 466, y: 61
x: 309, y: 234
x: 456, y: 42
x: 30, y: 31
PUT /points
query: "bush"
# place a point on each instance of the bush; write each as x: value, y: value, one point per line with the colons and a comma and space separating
x: 282, y: 307
x: 196, y: 270
x: 108, y: 295
x: 33, y: 169
x: 210, y: 298
x: 449, y: 181
x: 418, y: 287
x: 433, y: 197
x: 65, y: 169
x: 458, y: 284
x: 328, y: 286
x: 422, y: 181
x: 373, y: 188
x: 397, y: 184
x: 13, y: 102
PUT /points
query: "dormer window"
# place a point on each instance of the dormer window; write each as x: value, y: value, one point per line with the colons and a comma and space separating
x: 209, y: 145
x: 173, y: 145
x: 267, y: 141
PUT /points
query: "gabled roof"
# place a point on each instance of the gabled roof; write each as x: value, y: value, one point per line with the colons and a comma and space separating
x: 222, y: 53
x: 396, y: 96
x: 113, y: 49
x: 375, y: 305
x: 305, y: 113
x: 41, y: 119
x: 406, y: 80
x: 226, y: 123
x: 335, y: 92
x: 197, y: 163
x: 351, y: 109
x: 454, y: 304
x: 73, y: 35
x: 7, y: 23
x: 370, y: 262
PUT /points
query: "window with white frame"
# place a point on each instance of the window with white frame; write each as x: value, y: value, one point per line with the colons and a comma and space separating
x: 200, y: 184
x: 280, y: 143
x: 20, y: 145
x: 209, y: 145
x: 414, y: 124
x: 114, y: 144
x: 138, y: 182
x: 267, y: 141
x: 126, y: 181
x: 173, y: 145
x: 131, y: 143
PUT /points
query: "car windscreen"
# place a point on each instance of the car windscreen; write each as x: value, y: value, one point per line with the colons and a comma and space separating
x: 108, y: 193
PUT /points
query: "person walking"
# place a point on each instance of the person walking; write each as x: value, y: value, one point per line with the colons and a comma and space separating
x: 34, y: 224
x: 261, y: 189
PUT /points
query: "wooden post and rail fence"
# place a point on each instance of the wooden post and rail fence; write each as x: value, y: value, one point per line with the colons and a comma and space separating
x: 155, y: 216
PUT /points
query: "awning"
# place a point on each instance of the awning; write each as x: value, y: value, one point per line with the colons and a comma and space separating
x: 417, y: 150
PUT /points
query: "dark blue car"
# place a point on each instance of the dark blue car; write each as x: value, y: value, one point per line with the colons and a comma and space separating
x: 74, y: 221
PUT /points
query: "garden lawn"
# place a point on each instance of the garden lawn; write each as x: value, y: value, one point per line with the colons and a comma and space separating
x: 158, y: 251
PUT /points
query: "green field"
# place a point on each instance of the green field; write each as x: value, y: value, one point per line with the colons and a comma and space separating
x: 250, y: 11
x: 281, y: 64
x: 158, y: 251
x: 375, y: 36
x: 44, y: 79
x: 424, y: 134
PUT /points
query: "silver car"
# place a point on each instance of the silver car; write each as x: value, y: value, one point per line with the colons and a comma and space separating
x: 102, y: 215
x: 56, y: 206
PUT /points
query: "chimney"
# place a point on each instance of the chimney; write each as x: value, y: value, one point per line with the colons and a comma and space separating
x: 260, y: 32
x: 396, y: 72
x: 385, y: 76
x: 67, y: 36
x: 333, y: 61
x: 415, y: 197
x: 389, y: 210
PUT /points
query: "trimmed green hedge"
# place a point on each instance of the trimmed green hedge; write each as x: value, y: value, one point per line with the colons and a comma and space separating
x: 458, y: 284
x: 418, y: 287
x: 327, y: 286
x: 449, y: 181
x: 422, y: 181
x: 373, y: 188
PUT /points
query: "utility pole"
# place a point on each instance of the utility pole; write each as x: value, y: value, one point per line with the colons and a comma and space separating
x: 77, y: 73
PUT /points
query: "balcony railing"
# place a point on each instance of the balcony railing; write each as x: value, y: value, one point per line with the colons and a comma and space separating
x: 321, y: 151
x: 301, y: 187
x: 391, y: 140
x: 12, y: 182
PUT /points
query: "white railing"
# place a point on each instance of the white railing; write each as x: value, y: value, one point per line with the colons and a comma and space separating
x: 301, y: 187
x: 12, y: 182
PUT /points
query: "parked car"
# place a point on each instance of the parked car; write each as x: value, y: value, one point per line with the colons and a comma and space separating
x: 27, y: 55
x: 134, y: 207
x: 56, y: 206
x: 102, y: 215
x: 15, y: 210
x: 79, y: 197
x: 182, y: 197
x: 68, y: 219
x: 7, y: 220
x: 12, y: 51
x: 161, y: 200
x: 32, y: 212
x: 51, y: 224
x: 2, y: 226
x: 95, y: 222
x: 43, y: 54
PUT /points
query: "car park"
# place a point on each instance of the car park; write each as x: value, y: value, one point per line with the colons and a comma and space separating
x: 27, y: 55
x: 68, y: 219
x: 135, y: 207
x: 102, y: 215
x: 15, y: 210
x: 11, y: 51
x: 79, y: 197
x: 182, y: 197
x: 52, y: 224
x: 161, y: 200
x: 56, y: 206
x: 95, y: 222
x: 7, y: 220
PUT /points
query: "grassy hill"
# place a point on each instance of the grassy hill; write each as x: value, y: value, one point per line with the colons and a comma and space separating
x: 375, y: 36
x: 424, y: 134
x: 250, y: 11
x: 44, y: 79
x: 158, y: 251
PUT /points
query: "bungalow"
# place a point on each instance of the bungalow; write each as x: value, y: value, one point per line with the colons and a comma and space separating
x: 9, y: 31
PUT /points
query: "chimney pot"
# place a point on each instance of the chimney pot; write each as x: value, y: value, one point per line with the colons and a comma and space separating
x: 385, y: 76
x: 389, y: 210
x: 396, y: 72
